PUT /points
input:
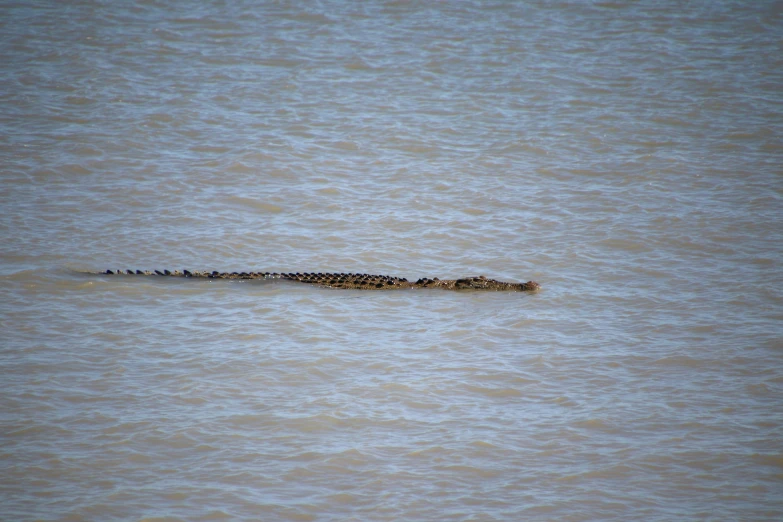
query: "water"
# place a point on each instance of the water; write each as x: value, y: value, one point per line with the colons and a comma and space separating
x: 627, y: 156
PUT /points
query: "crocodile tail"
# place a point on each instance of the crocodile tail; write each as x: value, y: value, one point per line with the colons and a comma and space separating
x: 199, y: 274
x: 164, y: 272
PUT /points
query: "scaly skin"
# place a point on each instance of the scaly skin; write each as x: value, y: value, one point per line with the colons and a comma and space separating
x: 349, y: 281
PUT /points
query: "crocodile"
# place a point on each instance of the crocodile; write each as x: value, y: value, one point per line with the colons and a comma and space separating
x: 347, y: 281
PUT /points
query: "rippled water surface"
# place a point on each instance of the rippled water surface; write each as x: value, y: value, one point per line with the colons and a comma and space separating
x: 625, y: 155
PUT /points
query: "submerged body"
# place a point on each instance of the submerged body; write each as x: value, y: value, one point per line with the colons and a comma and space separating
x: 349, y: 281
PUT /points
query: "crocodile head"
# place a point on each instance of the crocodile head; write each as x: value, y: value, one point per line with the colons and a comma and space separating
x: 482, y: 283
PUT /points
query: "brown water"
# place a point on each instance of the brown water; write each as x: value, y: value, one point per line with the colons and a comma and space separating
x: 627, y: 156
